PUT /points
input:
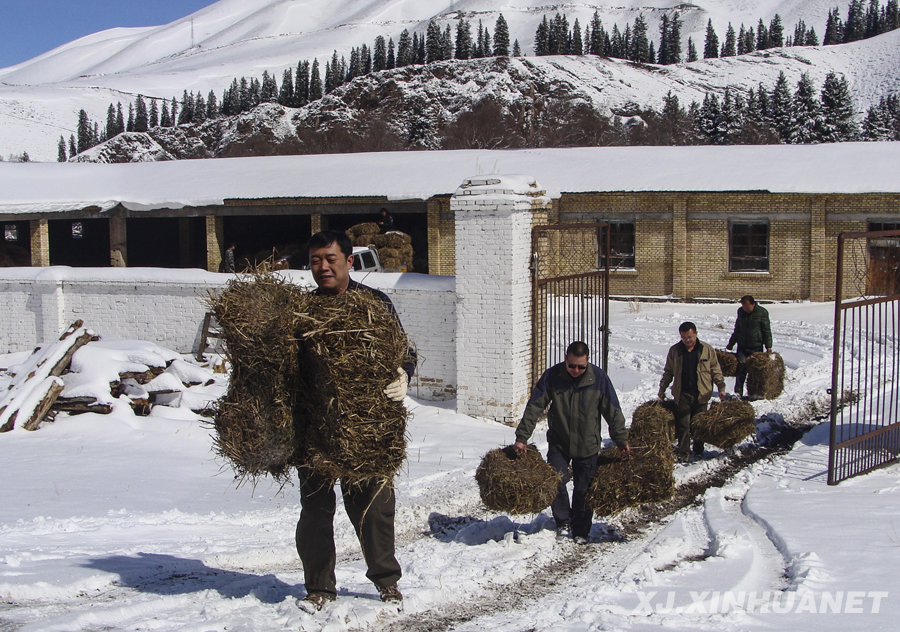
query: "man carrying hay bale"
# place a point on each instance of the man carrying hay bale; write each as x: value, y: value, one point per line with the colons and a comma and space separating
x: 369, y: 503
x: 692, y: 368
x: 752, y: 330
x: 578, y: 394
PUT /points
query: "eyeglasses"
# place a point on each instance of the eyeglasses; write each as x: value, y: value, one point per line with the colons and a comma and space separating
x: 577, y: 367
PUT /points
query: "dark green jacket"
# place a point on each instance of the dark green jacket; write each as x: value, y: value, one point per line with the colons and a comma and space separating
x: 753, y: 329
x: 575, y: 411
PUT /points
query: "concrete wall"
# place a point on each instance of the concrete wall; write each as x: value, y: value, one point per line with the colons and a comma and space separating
x: 167, y: 307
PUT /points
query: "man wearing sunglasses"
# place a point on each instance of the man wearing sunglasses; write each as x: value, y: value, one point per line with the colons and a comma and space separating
x: 579, y: 394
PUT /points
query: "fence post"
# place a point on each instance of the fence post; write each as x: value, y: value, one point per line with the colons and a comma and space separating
x: 494, y: 216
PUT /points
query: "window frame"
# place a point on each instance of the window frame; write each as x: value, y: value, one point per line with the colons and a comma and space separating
x: 620, y: 258
x: 745, y: 252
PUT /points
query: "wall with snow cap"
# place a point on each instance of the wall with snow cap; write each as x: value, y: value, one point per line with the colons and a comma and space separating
x: 167, y: 307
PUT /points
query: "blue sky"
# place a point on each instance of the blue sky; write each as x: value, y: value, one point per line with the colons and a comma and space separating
x: 31, y: 27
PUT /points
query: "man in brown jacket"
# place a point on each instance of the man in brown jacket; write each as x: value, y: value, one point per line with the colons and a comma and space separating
x: 691, y: 368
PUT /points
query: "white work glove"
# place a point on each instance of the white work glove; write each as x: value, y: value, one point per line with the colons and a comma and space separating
x: 396, y: 390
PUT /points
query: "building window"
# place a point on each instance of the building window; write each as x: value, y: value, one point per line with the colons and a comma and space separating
x: 883, y: 273
x: 11, y: 232
x: 621, y: 243
x: 749, y: 243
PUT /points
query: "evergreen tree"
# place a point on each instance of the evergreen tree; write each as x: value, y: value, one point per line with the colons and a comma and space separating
x: 834, y: 29
x: 577, y: 42
x: 501, y: 37
x: 837, y: 124
x: 366, y: 58
x: 711, y: 45
x: 199, y: 108
x: 775, y: 33
x: 404, y: 49
x: 84, y: 132
x: 674, y: 42
x: 129, y: 126
x: 662, y: 57
x: 639, y: 42
x: 154, y: 114
x: 447, y: 44
x: 692, y: 50
x: 301, y: 90
x: 329, y: 77
x: 95, y: 138
x: 73, y: 149
x: 652, y: 52
x: 269, y: 90
x: 709, y: 121
x: 315, y: 82
x: 379, y: 54
x: 433, y: 47
x: 805, y: 115
x: 617, y: 44
x: 463, y: 39
x: 186, y: 113
x: 516, y: 49
x: 892, y: 15
x: 729, y: 47
x: 174, y: 111
x: 141, y: 119
x: 286, y: 94
x: 243, y: 93
x: 597, y: 34
x: 799, y: 34
x: 391, y: 61
x: 732, y: 122
x: 61, y: 149
x: 212, y: 108
x: 877, y: 124
x: 811, y: 38
x: 762, y: 36
x: 781, y: 106
x: 165, y: 120
x: 542, y: 38
x: 120, y: 119
x: 111, y: 129
x: 855, y: 24
x: 874, y: 19
x: 421, y: 54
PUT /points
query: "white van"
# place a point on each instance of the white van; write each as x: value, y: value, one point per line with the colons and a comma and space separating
x: 365, y: 259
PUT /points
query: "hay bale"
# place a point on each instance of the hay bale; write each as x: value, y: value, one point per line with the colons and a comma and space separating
x: 254, y: 421
x: 389, y: 253
x: 391, y: 263
x: 728, y: 362
x: 765, y: 375
x: 363, y: 241
x: 653, y: 425
x: 366, y: 228
x: 724, y: 424
x: 307, y: 379
x: 403, y: 236
x: 627, y: 480
x: 516, y: 484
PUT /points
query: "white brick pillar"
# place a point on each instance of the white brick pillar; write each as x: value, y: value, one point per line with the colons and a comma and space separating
x: 494, y: 216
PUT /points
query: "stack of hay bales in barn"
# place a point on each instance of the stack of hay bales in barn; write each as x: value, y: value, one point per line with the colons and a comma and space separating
x: 516, y: 484
x: 765, y: 375
x: 394, y: 247
x: 727, y: 362
x: 646, y: 474
x: 308, y: 373
x: 725, y: 423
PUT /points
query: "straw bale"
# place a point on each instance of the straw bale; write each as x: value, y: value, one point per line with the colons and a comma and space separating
x: 366, y: 228
x: 392, y: 263
x: 626, y: 480
x: 725, y: 424
x: 653, y: 425
x: 363, y: 241
x: 254, y: 421
x: 516, y: 484
x: 765, y: 375
x: 307, y: 378
x: 406, y: 238
x: 389, y: 253
x: 728, y: 362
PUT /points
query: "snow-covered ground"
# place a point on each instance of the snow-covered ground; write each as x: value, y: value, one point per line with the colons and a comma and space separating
x: 120, y: 522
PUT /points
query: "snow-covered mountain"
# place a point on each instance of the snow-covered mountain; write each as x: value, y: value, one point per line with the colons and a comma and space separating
x: 40, y: 98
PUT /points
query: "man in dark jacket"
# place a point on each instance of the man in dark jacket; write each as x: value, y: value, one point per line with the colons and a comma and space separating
x: 578, y: 394
x: 752, y: 331
x: 692, y: 367
x: 370, y: 506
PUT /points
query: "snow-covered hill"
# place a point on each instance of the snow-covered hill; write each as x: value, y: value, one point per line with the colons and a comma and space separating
x: 40, y: 98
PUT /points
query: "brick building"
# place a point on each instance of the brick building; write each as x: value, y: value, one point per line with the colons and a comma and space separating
x: 687, y: 222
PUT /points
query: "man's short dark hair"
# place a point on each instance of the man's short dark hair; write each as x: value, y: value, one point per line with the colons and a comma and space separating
x: 748, y: 299
x: 325, y: 238
x: 578, y: 349
x: 687, y: 326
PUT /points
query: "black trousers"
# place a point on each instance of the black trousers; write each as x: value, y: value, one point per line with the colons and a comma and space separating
x: 371, y: 511
x: 741, y: 373
x: 685, y: 408
x: 577, y: 514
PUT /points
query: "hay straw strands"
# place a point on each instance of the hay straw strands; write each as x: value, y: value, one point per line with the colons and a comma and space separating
x: 366, y: 228
x: 765, y: 375
x: 516, y: 484
x: 728, y: 362
x: 629, y: 479
x: 653, y: 425
x: 725, y: 424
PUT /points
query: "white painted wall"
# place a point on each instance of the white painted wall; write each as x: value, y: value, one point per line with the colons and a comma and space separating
x: 167, y: 307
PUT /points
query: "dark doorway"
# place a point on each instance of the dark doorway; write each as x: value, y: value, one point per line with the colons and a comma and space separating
x: 413, y: 224
x: 259, y: 237
x: 166, y: 242
x: 79, y: 243
x: 15, y: 247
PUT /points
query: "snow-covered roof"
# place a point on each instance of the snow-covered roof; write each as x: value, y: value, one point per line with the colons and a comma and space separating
x: 833, y: 168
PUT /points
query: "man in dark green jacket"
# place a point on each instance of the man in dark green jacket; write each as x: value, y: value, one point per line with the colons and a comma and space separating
x: 578, y: 394
x: 752, y: 331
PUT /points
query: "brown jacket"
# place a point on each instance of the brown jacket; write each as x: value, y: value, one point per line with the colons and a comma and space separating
x: 708, y: 372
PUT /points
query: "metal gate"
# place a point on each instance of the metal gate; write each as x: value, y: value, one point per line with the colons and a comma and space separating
x: 570, y: 294
x: 865, y: 396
